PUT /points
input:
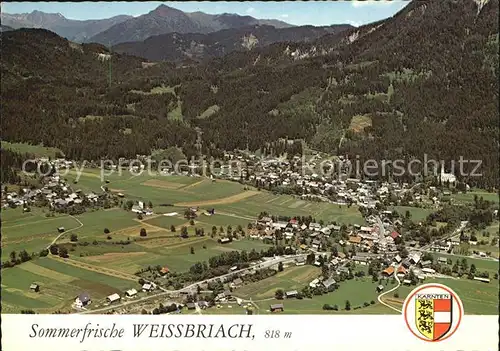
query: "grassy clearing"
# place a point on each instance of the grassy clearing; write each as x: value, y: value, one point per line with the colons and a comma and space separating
x: 360, y: 122
x: 156, y: 90
x: 293, y: 278
x: 469, y: 197
x: 417, y: 214
x: 357, y: 291
x: 490, y: 266
x: 292, y: 206
x: 408, y: 75
x: 209, y: 111
x: 37, y: 150
x: 179, y: 258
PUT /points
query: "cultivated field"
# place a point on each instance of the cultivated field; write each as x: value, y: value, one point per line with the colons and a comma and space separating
x: 59, y: 284
x: 102, y: 263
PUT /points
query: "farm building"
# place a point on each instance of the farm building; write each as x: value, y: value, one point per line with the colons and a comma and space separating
x: 380, y: 288
x: 484, y: 280
x: 113, y: 298
x: 131, y: 293
x: 406, y: 282
x: 147, y: 287
x: 83, y: 300
x: 277, y: 307
x: 190, y: 306
x: 60, y: 229
x: 35, y: 287
x: 224, y: 240
x: 290, y: 294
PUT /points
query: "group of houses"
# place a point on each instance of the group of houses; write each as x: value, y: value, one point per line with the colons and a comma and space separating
x: 83, y: 300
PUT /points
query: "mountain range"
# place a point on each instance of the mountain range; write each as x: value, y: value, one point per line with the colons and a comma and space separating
x: 422, y: 82
x: 74, y: 30
x: 197, y: 46
x: 123, y: 28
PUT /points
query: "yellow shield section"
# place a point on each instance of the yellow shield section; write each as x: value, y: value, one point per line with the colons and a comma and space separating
x: 424, y: 319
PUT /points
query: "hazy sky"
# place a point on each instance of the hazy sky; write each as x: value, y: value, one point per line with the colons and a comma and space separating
x: 298, y: 13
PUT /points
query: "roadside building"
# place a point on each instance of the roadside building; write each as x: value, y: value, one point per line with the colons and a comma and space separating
x: 277, y: 307
x: 113, y: 298
x: 131, y: 293
x: 147, y: 287
x: 300, y: 261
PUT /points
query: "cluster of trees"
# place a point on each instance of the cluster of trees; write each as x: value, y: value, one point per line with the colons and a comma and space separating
x: 16, y: 259
x: 161, y: 309
x: 328, y: 307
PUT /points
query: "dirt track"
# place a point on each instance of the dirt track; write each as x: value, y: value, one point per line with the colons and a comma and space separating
x: 223, y: 201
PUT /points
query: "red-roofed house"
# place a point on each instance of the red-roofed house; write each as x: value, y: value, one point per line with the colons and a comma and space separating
x: 388, y: 271
x: 395, y: 235
x: 164, y: 270
x: 401, y: 270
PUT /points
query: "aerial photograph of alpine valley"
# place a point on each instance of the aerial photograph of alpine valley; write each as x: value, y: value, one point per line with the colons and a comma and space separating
x: 248, y: 158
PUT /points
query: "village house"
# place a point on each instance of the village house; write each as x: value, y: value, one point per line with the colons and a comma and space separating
x: 277, y: 307
x: 203, y: 304
x: 316, y: 244
x: 300, y: 261
x: 236, y: 283
x: 355, y: 240
x: 362, y: 260
x: 401, y: 271
x: 389, y: 271
x: 83, y: 300
x: 328, y: 283
x: 147, y: 287
x: 442, y: 260
x: 428, y: 271
x: 415, y: 258
x: 426, y: 263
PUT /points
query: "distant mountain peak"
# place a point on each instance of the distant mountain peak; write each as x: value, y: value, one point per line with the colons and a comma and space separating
x: 165, y: 11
